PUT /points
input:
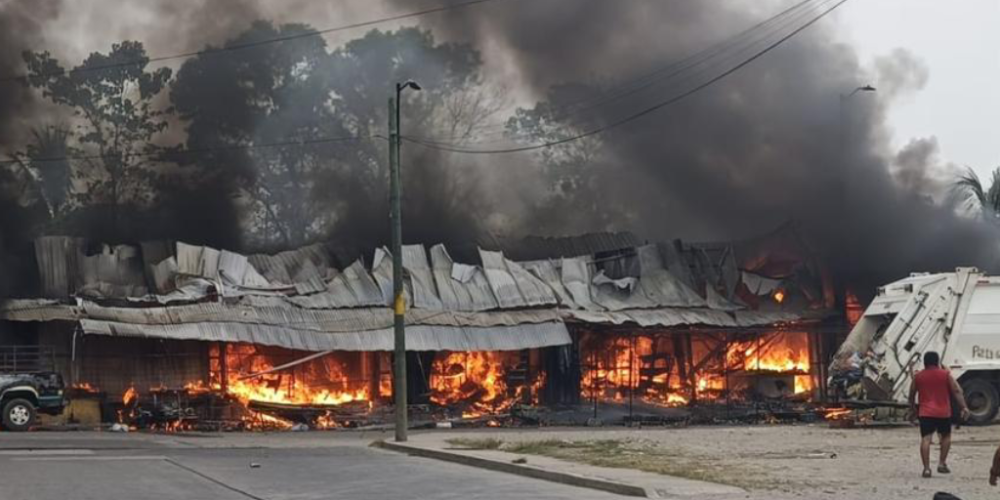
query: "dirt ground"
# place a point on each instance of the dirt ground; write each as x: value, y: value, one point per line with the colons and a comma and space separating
x: 781, y: 462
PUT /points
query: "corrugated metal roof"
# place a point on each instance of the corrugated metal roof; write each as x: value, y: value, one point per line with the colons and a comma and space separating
x: 501, y: 281
x: 262, y: 310
x: 718, y: 302
x: 759, y: 318
x: 57, y: 267
x: 661, y: 287
x: 576, y: 279
x: 420, y: 278
x: 533, y: 289
x: 512, y: 285
x: 664, y: 317
x: 471, y: 294
x: 382, y: 272
x: 337, y: 295
x: 418, y: 337
x: 293, y: 266
x: 548, y: 271
x: 115, y: 272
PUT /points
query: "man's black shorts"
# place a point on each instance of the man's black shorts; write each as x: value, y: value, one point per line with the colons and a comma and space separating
x: 929, y: 426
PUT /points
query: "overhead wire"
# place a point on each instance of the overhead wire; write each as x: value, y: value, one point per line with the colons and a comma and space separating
x: 674, y: 69
x: 634, y: 116
x: 625, y: 89
x: 676, y: 79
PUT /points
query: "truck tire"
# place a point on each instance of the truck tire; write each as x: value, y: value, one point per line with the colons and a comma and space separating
x: 18, y: 415
x: 983, y: 400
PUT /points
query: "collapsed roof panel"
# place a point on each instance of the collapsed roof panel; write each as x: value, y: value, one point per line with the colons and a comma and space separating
x: 421, y: 278
x: 660, y: 286
x: 548, y: 271
x: 512, y: 284
x: 461, y: 287
x: 575, y: 274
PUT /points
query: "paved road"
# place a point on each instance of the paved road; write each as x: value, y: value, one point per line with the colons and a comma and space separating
x: 301, y: 467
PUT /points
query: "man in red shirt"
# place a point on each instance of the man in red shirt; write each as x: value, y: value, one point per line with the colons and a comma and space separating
x: 931, y: 393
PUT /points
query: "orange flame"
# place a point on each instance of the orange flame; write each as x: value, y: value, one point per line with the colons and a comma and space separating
x: 319, y: 382
x: 130, y: 396
x: 837, y: 413
x: 647, y: 366
x: 85, y: 387
x: 611, y: 379
x: 476, y: 378
x: 477, y: 383
x: 781, y: 352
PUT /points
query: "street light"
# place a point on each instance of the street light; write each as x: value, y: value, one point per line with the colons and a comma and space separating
x: 845, y: 165
x: 866, y: 88
x: 843, y: 121
x: 399, y: 301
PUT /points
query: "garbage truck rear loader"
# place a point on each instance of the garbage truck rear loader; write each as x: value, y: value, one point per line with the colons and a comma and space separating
x: 956, y: 314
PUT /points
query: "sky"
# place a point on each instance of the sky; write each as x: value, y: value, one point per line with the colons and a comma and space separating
x: 959, y: 41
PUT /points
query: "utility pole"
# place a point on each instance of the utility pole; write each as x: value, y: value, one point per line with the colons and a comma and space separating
x: 399, y: 300
x: 847, y: 170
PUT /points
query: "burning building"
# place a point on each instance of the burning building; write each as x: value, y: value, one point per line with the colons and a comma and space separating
x: 306, y: 335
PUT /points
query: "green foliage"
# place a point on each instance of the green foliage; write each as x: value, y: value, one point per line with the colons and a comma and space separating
x: 978, y: 199
x: 115, y: 120
x: 298, y: 91
x: 47, y: 155
x: 576, y: 172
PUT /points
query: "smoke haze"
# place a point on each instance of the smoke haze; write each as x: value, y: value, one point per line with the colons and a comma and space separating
x: 772, y: 143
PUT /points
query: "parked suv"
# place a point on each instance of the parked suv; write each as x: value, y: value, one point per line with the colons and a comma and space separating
x: 28, y: 386
x: 23, y: 396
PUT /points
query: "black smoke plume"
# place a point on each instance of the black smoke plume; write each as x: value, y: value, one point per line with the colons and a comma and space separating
x: 776, y: 141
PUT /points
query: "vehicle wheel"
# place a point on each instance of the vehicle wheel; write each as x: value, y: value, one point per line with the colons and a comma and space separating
x: 983, y: 401
x: 18, y: 415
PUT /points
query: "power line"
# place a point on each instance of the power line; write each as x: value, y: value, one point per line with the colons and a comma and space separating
x: 634, y: 116
x: 233, y: 48
x: 170, y: 156
x: 769, y: 27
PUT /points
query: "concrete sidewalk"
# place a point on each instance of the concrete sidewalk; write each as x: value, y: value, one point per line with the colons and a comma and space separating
x: 620, y: 481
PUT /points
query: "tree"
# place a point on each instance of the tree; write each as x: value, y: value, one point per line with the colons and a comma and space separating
x: 977, y: 199
x: 298, y: 94
x: 112, y: 97
x: 577, y: 171
x: 439, y: 203
x: 49, y: 167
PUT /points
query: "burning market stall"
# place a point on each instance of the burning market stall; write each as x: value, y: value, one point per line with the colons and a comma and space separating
x: 304, y: 336
x: 290, y: 335
x: 738, y: 325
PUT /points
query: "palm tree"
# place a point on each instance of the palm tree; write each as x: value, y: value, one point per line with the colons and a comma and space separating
x: 974, y: 199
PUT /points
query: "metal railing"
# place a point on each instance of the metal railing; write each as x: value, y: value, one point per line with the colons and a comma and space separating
x: 26, y: 359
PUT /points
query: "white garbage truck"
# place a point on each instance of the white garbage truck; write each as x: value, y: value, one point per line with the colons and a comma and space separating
x: 956, y: 314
